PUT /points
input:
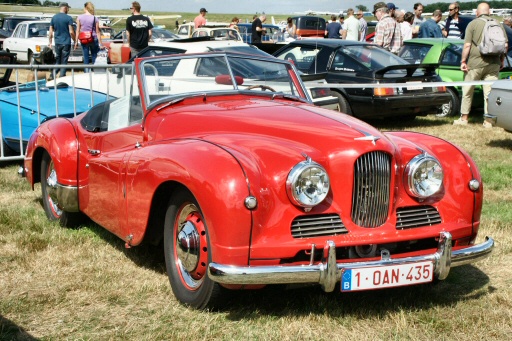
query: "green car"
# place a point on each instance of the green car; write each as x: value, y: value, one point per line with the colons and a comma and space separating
x: 447, y: 52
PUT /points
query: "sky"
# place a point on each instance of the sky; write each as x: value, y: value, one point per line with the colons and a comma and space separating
x: 243, y: 6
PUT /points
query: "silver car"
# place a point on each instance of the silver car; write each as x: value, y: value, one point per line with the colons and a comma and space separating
x: 500, y: 102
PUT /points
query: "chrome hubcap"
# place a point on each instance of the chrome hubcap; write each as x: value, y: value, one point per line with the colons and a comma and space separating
x: 51, y: 185
x: 191, y: 251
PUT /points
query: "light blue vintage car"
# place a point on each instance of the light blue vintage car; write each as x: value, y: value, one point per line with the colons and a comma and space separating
x: 37, y: 106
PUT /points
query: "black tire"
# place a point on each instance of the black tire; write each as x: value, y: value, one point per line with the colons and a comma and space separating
x: 343, y: 105
x: 453, y: 107
x: 186, y: 248
x: 50, y: 204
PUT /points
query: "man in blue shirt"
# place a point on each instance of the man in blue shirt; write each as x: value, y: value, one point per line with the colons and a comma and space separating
x: 332, y: 30
x: 61, y: 28
x: 430, y: 28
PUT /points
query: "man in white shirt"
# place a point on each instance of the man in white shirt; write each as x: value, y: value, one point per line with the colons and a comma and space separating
x: 352, y: 27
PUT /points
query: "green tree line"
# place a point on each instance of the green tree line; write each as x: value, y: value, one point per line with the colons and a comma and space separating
x: 464, y: 6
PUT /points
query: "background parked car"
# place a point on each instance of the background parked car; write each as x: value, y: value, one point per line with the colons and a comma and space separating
x: 500, y: 104
x: 217, y: 33
x: 350, y: 62
x: 309, y: 26
x: 447, y: 53
x: 8, y: 26
x: 30, y: 42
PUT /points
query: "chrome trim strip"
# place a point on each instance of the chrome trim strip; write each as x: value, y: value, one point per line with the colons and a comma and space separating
x: 67, y: 197
x: 328, y: 272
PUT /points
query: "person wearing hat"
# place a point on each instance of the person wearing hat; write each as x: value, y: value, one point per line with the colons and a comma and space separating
x: 200, y: 20
x: 61, y: 31
x: 391, y: 9
x: 387, y: 31
x: 138, y: 29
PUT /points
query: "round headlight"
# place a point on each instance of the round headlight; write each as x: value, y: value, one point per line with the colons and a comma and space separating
x: 307, y: 184
x: 424, y: 176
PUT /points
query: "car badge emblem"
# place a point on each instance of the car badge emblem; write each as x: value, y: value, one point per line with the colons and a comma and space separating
x: 367, y: 137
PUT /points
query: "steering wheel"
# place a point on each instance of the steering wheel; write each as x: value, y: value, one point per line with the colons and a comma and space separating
x: 262, y: 87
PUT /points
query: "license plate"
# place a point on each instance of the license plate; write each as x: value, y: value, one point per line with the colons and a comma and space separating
x: 386, y: 276
x: 75, y: 59
x: 413, y: 85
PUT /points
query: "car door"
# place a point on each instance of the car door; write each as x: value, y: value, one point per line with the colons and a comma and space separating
x: 109, y: 134
x: 17, y: 42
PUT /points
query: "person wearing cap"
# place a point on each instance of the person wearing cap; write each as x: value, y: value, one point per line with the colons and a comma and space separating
x: 391, y: 9
x: 61, y: 31
x: 430, y: 28
x: 138, y: 29
x: 200, y: 20
x: 387, y: 31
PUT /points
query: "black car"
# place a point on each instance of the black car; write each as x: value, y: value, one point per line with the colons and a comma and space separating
x: 352, y: 62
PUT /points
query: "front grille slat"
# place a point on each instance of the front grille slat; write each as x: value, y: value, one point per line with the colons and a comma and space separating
x: 417, y: 216
x: 370, y: 198
x: 317, y: 226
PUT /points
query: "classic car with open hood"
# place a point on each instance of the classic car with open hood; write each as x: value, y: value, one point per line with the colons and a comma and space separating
x: 223, y: 157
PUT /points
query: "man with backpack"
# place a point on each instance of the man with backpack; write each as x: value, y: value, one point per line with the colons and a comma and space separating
x: 485, y: 45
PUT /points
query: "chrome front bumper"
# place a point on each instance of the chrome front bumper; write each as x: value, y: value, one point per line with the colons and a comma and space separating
x: 328, y: 272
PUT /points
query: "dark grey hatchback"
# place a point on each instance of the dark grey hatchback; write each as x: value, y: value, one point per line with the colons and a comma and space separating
x: 351, y: 62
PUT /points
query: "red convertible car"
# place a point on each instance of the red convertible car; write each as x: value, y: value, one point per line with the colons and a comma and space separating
x: 223, y: 158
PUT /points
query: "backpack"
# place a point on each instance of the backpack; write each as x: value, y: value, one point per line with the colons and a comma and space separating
x: 494, y: 41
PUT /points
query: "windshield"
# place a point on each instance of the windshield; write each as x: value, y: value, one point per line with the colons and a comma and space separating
x: 181, y: 76
x: 370, y: 56
x: 38, y: 30
x: 414, y: 53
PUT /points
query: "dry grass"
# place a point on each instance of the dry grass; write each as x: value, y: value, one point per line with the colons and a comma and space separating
x: 83, y: 284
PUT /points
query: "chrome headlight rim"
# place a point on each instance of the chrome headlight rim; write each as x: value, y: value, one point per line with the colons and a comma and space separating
x: 413, y: 166
x: 297, y: 173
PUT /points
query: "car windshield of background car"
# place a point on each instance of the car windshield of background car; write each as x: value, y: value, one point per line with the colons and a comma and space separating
x: 414, y: 53
x: 178, y: 77
x: 373, y: 57
x: 302, y: 56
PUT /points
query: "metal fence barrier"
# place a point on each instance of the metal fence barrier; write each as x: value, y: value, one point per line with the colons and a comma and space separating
x: 120, y: 71
x: 13, y: 103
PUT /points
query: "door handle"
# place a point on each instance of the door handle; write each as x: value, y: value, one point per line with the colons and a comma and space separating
x: 93, y: 151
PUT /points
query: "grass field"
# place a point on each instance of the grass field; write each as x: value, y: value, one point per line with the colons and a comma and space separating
x: 83, y: 284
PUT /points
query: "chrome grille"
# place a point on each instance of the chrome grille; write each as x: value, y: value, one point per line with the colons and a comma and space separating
x: 317, y: 226
x: 370, y: 199
x: 416, y: 216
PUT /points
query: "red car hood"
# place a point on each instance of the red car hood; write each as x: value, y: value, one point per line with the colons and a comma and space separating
x: 278, y: 132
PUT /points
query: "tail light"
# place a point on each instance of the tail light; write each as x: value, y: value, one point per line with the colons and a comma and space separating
x: 384, y: 91
x: 318, y: 93
x: 439, y: 89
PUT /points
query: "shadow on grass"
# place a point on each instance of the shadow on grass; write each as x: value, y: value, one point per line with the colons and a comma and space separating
x: 505, y: 143
x: 464, y: 283
x: 399, y: 123
x: 11, y: 331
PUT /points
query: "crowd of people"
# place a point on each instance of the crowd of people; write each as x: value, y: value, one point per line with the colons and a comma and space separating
x: 393, y: 28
